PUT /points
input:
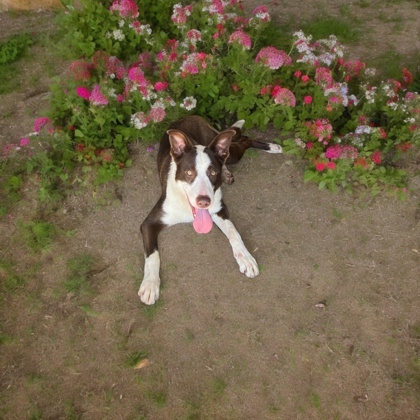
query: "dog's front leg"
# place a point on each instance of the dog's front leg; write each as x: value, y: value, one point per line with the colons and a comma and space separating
x: 245, y: 260
x: 149, y: 288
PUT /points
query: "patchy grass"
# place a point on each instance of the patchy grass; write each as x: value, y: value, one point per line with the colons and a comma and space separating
x: 77, y: 279
x: 323, y: 27
x: 38, y: 235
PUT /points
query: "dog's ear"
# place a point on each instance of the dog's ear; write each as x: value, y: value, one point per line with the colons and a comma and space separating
x: 221, y: 144
x: 179, y: 142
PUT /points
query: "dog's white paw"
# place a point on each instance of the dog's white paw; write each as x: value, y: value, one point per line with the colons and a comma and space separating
x: 149, y: 291
x: 247, y: 264
x: 274, y: 148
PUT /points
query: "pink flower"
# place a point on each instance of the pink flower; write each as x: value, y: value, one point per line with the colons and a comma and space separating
x: 39, y: 123
x: 321, y: 129
x: 354, y: 67
x: 115, y: 68
x: 320, y: 166
x: 193, y: 63
x: 297, y: 73
x: 157, y: 114
x: 24, y: 142
x: 97, y: 97
x: 161, y: 86
x: 305, y: 78
x: 382, y: 133
x: 331, y: 165
x: 80, y: 70
x: 180, y: 14
x: 266, y: 90
x: 241, y: 38
x: 376, y: 157
x: 341, y: 152
x: 193, y: 35
x: 283, y: 96
x: 126, y: 8
x: 261, y: 13
x: 307, y: 100
x: 136, y: 75
x: 273, y: 58
x: 83, y: 92
x: 323, y: 77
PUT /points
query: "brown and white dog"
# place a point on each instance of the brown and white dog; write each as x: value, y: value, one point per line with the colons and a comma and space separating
x: 191, y: 162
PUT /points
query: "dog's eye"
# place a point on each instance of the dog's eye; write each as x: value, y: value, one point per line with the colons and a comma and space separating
x: 213, y: 172
x: 189, y: 172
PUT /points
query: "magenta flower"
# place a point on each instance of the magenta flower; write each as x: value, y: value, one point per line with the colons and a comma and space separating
x: 83, y: 92
x: 137, y: 76
x: 307, y: 100
x: 24, y: 142
x: 241, y: 38
x: 97, y: 97
x: 126, y: 8
x: 273, y: 58
x: 161, y: 86
x: 39, y: 123
x: 283, y: 96
x: 341, y: 152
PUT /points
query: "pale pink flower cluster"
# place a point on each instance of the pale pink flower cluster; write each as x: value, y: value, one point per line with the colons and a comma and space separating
x: 141, y: 29
x: 194, y: 36
x: 115, y: 68
x: 341, y: 152
x: 321, y: 129
x: 337, y: 93
x: 97, y: 98
x: 261, y: 15
x: 241, y: 38
x: 283, y: 96
x: 126, y: 8
x: 273, y: 58
x: 180, y: 14
x: 193, y: 63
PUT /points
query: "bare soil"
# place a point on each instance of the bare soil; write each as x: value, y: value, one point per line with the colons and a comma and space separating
x: 329, y: 330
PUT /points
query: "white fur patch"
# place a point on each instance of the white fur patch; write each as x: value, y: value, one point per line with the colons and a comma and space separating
x: 149, y: 288
x: 180, y: 194
x: 274, y: 148
x: 246, y: 262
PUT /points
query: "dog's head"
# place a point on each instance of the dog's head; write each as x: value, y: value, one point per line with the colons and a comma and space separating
x: 199, y: 171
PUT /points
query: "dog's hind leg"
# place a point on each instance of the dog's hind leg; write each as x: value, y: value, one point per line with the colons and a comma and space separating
x: 150, y: 228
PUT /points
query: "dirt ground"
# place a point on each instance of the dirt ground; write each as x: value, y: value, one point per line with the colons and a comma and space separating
x: 329, y: 330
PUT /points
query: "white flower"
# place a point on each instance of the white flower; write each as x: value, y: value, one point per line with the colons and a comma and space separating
x: 363, y: 129
x: 189, y: 103
x: 118, y: 35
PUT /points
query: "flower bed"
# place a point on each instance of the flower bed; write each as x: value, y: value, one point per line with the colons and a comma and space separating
x: 208, y: 58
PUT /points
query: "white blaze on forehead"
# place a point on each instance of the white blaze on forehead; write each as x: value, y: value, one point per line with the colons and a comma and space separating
x: 201, y: 184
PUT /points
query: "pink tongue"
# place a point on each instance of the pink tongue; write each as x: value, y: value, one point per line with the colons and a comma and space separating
x: 202, y: 221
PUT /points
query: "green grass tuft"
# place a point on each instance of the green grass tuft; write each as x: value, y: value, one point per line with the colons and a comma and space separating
x: 78, y: 269
x: 38, y: 235
x: 323, y: 27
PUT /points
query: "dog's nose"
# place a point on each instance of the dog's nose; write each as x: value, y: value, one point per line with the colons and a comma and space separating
x: 203, y: 201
